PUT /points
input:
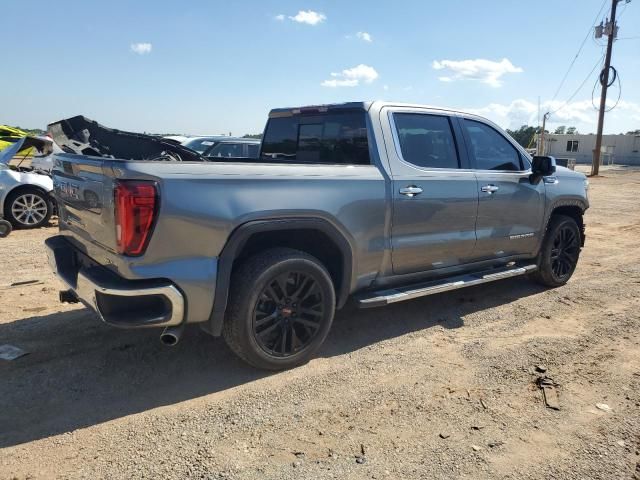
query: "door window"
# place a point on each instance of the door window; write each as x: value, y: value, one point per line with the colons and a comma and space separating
x: 491, y: 150
x: 426, y: 140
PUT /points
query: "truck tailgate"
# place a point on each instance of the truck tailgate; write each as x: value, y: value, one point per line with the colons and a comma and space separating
x: 83, y: 187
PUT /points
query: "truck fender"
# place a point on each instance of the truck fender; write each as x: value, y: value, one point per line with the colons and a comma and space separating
x: 238, y: 239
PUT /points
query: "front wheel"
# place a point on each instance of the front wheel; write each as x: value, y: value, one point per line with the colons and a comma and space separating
x: 559, y: 253
x: 281, y: 306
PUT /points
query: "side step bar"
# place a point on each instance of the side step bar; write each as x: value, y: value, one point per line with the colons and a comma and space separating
x: 400, y: 294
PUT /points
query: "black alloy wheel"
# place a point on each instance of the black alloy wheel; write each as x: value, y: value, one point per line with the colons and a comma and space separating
x: 559, y: 252
x: 288, y: 314
x: 564, y: 252
x: 281, y: 307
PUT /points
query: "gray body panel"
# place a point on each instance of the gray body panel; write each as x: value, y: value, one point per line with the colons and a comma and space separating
x: 392, y: 237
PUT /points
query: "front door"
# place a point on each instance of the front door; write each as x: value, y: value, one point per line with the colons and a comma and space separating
x: 434, y: 200
x: 510, y: 207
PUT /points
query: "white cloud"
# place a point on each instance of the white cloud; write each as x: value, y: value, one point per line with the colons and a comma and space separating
x: 351, y: 77
x: 579, y: 113
x: 385, y: 87
x: 485, y: 71
x: 141, y: 48
x: 309, y: 17
x: 280, y: 17
x: 365, y: 37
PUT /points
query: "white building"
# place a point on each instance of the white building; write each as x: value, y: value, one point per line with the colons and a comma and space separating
x: 616, y: 149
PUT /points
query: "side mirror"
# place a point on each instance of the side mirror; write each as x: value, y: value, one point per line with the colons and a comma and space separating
x: 542, y: 167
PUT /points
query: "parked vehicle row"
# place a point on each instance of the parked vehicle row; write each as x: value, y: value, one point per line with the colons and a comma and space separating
x: 376, y: 202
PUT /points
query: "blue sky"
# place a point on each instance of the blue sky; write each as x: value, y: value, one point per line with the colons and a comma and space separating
x: 207, y: 67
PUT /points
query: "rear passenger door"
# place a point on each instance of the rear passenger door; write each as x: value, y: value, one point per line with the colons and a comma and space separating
x: 434, y: 193
x: 510, y: 207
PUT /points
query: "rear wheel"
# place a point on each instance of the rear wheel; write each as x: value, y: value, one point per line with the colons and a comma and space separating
x: 559, y: 253
x: 28, y: 208
x: 281, y: 307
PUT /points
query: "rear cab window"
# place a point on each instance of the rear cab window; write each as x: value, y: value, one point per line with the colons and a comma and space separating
x: 426, y: 140
x: 331, y: 138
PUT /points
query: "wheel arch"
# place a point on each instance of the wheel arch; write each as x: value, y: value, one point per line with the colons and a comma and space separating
x: 315, y: 236
x: 572, y: 210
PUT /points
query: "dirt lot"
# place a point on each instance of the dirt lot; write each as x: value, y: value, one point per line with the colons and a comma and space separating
x: 441, y: 387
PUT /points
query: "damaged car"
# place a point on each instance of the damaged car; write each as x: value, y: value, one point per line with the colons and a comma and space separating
x: 25, y: 191
x: 84, y: 136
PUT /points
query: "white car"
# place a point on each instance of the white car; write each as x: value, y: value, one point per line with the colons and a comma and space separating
x: 25, y: 194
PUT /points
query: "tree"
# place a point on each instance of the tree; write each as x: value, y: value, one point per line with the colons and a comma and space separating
x: 253, y: 135
x: 572, y: 131
x: 634, y: 132
x: 524, y: 135
x: 560, y: 130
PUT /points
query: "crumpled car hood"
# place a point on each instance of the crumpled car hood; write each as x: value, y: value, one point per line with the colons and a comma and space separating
x: 40, y: 144
x: 83, y: 136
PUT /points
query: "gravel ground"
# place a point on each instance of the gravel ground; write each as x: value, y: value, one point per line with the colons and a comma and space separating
x: 441, y: 387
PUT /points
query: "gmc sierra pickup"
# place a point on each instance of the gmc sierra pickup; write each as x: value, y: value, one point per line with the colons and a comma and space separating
x: 375, y: 201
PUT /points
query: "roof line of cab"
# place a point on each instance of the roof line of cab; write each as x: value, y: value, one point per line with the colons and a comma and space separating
x: 352, y: 106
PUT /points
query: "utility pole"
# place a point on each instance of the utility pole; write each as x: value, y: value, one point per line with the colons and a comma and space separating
x: 604, y: 79
x: 541, y: 136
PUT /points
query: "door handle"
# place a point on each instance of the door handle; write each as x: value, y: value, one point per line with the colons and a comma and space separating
x: 411, y: 191
x: 490, y: 188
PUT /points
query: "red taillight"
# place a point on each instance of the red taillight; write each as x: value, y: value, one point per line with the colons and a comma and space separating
x: 135, y: 206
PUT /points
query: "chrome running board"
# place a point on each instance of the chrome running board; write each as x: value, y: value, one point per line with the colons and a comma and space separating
x: 408, y: 292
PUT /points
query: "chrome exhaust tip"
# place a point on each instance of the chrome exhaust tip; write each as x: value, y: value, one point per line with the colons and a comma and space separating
x: 170, y: 336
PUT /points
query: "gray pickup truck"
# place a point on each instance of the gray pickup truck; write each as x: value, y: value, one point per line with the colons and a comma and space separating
x: 374, y: 201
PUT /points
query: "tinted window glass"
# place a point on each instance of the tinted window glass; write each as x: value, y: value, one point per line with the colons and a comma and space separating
x: 253, y: 150
x: 200, y: 145
x: 426, y: 140
x: 226, y: 150
x: 332, y: 138
x: 491, y: 150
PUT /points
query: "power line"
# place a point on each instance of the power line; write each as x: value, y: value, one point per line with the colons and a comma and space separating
x: 579, y: 51
x: 578, y: 89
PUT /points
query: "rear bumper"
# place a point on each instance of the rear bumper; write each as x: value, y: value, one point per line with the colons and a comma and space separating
x: 118, y: 301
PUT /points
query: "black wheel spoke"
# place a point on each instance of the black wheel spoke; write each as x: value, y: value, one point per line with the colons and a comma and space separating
x: 264, y: 320
x: 268, y: 330
x: 310, y: 311
x: 303, y: 283
x: 307, y: 323
x: 281, y: 281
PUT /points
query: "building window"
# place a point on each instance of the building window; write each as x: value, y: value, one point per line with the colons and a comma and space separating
x: 572, y: 146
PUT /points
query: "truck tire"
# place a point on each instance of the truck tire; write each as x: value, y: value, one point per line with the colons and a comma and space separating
x: 28, y: 208
x: 559, y: 253
x: 281, y: 306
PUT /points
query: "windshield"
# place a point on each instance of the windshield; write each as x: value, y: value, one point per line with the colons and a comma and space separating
x: 200, y: 144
